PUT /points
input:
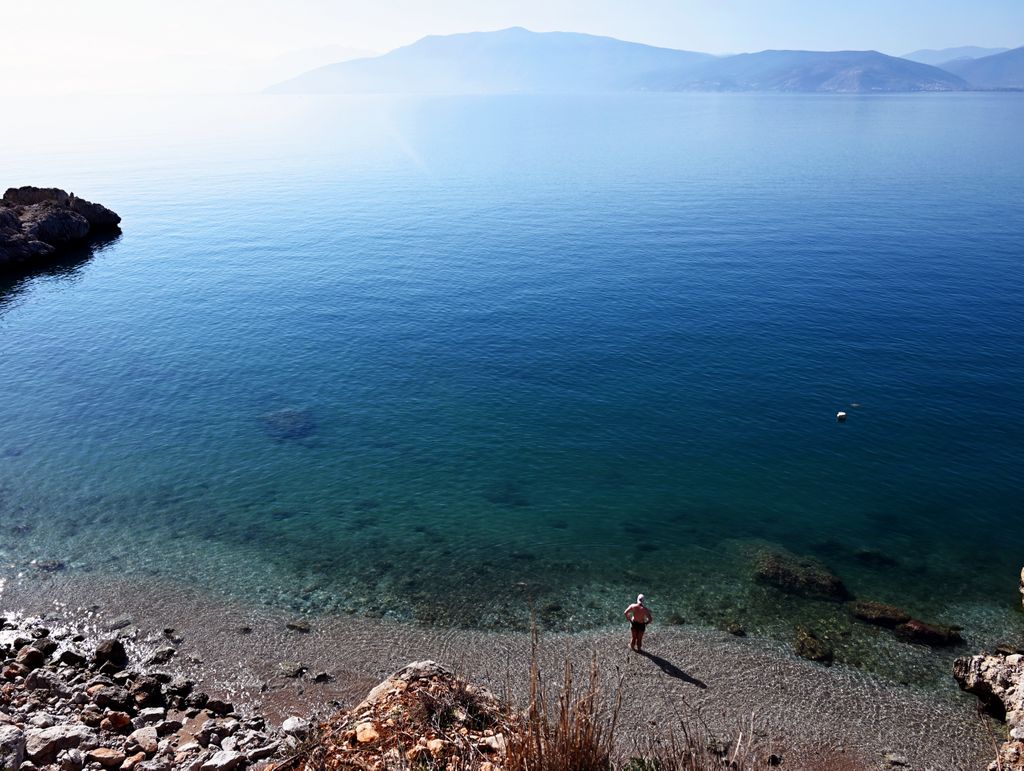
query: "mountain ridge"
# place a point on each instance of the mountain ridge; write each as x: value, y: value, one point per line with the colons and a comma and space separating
x: 1000, y: 71
x: 517, y: 60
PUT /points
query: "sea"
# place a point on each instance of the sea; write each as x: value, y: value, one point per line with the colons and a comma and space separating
x: 496, y: 361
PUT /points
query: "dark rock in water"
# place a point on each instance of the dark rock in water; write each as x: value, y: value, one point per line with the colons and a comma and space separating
x: 809, y: 646
x: 288, y: 425
x: 935, y: 635
x: 879, y: 613
x: 736, y: 629
x: 298, y: 626
x: 36, y: 222
x: 803, y: 576
x: 110, y: 652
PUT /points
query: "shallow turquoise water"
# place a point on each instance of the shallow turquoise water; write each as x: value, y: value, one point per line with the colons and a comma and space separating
x: 558, y: 349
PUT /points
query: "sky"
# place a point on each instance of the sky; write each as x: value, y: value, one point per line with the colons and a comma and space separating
x: 215, y: 46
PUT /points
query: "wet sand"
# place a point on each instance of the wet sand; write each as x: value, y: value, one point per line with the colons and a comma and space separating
x: 688, y: 674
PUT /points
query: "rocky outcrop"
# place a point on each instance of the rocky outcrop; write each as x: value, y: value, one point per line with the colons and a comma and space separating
x: 37, y: 222
x: 66, y: 705
x: 997, y: 679
x: 422, y: 716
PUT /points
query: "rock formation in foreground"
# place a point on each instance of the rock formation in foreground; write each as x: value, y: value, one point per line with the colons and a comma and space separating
x: 997, y: 679
x: 423, y: 716
x: 37, y: 222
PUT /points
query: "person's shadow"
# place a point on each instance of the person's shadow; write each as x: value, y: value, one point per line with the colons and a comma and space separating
x: 672, y: 670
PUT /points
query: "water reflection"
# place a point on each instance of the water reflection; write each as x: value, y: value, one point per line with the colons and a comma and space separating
x: 67, y: 264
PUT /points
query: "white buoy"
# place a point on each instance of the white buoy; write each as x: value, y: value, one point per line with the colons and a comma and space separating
x: 841, y: 417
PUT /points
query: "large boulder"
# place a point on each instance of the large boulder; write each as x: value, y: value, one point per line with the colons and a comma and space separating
x: 998, y: 682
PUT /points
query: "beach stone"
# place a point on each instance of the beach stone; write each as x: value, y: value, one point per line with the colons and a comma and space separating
x: 220, y: 707
x: 42, y: 745
x: 111, y: 696
x: 110, y: 651
x: 225, y: 760
x: 132, y: 761
x: 879, y: 613
x: 145, y: 739
x: 365, y: 733
x: 45, y: 680
x: 161, y: 656
x: 12, y: 746
x: 291, y: 669
x: 934, y: 635
x: 295, y: 726
x: 146, y: 690
x: 115, y: 721
x: 106, y: 757
x: 72, y: 658
x: 30, y: 657
x: 802, y: 576
x: 809, y: 646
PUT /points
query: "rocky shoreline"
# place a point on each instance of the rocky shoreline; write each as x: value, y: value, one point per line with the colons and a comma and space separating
x: 69, y: 703
x: 997, y: 679
x: 36, y: 223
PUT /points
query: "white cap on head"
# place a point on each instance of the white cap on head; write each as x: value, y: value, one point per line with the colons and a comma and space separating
x: 640, y: 599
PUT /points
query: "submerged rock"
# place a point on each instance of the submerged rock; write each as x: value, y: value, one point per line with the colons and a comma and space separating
x: 803, y: 576
x: 36, y: 222
x: 809, y: 646
x: 923, y: 633
x: 289, y: 425
x: 879, y: 613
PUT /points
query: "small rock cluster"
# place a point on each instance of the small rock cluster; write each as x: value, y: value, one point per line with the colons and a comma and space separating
x: 810, y: 578
x: 421, y: 716
x: 64, y: 707
x: 36, y: 222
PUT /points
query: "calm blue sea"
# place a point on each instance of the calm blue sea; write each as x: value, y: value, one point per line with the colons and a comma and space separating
x: 440, y: 359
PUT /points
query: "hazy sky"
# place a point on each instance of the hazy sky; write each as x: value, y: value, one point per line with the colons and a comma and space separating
x: 67, y: 46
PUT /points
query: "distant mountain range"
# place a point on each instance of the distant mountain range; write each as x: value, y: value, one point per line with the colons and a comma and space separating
x: 809, y: 71
x: 1005, y: 70
x: 939, y: 56
x: 519, y: 61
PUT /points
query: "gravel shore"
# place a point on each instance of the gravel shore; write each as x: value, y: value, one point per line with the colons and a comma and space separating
x: 279, y: 665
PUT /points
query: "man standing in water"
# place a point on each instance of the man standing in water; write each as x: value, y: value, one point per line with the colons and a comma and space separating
x: 639, y: 617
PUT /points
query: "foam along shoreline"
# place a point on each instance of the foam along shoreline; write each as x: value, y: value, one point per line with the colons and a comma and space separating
x: 279, y: 665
